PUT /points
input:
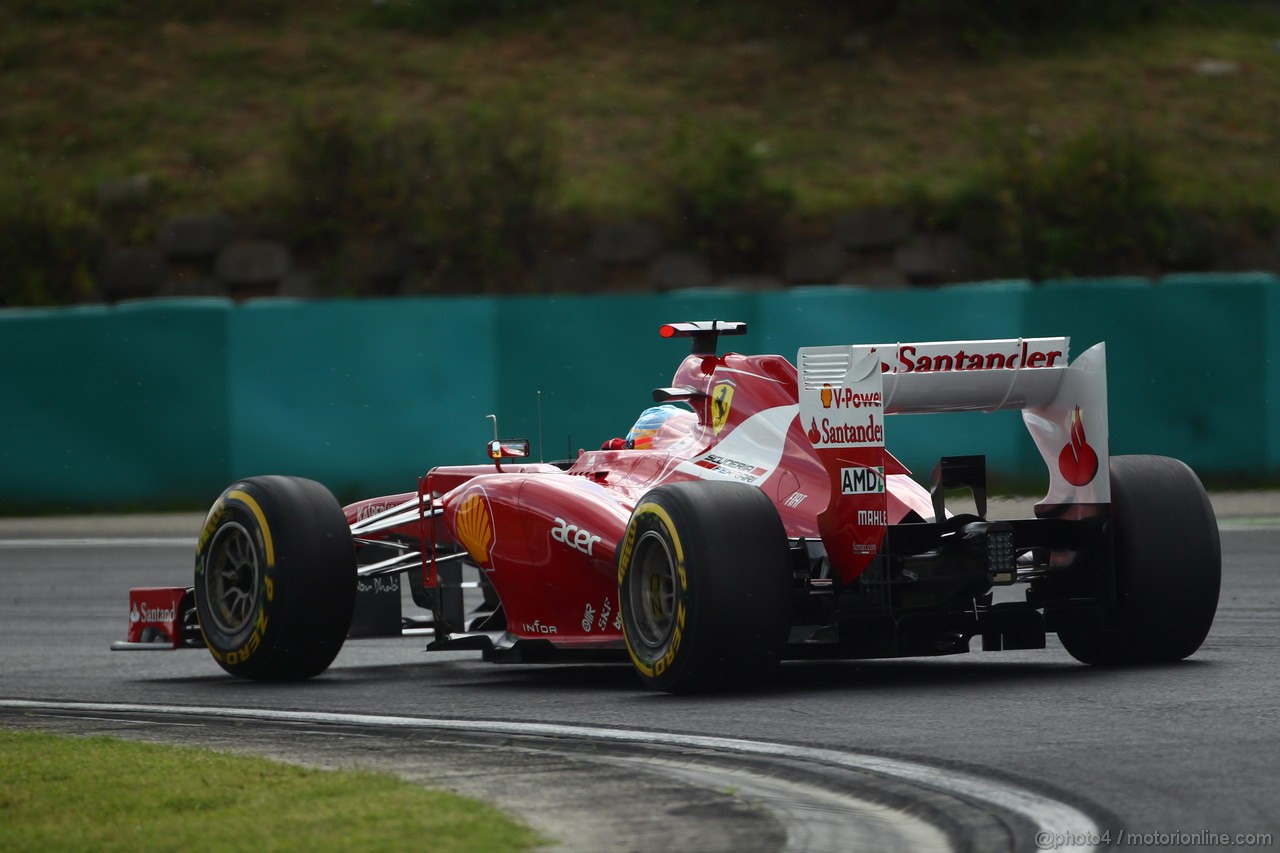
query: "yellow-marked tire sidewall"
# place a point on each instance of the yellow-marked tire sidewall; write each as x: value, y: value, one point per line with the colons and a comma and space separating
x: 731, y: 597
x: 238, y: 651
x: 285, y: 611
x: 663, y: 663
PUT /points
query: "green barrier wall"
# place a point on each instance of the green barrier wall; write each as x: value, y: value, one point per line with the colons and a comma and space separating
x: 1187, y: 363
x: 595, y: 360
x: 161, y: 403
x: 819, y: 316
x: 1271, y: 381
x: 113, y: 407
x: 361, y: 395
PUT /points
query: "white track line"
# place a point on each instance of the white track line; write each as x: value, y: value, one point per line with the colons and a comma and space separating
x: 1237, y: 525
x: 1050, y: 817
x: 103, y: 542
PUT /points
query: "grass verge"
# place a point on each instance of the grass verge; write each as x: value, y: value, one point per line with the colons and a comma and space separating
x: 61, y: 793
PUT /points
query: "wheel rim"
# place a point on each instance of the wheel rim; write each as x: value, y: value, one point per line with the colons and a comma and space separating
x: 231, y: 578
x: 653, y: 591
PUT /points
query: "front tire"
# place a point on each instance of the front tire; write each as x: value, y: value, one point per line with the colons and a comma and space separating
x: 275, y: 579
x: 1168, y: 566
x: 704, y: 585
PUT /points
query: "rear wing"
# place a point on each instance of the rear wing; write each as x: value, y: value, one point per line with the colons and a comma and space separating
x: 846, y: 392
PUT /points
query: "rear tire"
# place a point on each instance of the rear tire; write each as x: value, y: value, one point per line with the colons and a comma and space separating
x: 1168, y: 566
x: 704, y: 585
x: 275, y: 579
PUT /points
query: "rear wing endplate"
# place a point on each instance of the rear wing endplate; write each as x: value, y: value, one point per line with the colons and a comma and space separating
x: 846, y: 392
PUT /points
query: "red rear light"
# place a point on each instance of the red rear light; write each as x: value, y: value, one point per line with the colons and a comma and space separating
x: 667, y: 331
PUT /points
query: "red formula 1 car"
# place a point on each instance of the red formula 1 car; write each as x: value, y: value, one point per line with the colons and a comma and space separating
x: 756, y: 516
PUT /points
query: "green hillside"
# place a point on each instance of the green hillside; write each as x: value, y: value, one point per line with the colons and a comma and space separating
x: 1168, y: 115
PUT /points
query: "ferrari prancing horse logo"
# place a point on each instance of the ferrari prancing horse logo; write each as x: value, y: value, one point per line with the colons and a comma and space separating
x: 721, y: 401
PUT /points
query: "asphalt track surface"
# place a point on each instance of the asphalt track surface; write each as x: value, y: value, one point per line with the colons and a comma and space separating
x: 1185, y: 753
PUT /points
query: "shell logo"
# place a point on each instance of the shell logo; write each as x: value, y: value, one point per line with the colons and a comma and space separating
x: 473, y: 525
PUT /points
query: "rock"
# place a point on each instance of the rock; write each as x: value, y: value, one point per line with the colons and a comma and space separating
x: 872, y: 10
x: 132, y: 272
x: 621, y: 243
x: 131, y: 191
x: 854, y: 44
x: 567, y: 273
x: 194, y: 236
x: 187, y: 282
x: 752, y: 283
x: 380, y: 265
x: 253, y: 263
x: 755, y: 49
x: 1256, y: 258
x: 871, y: 228
x: 817, y: 264
x: 298, y: 285
x: 934, y: 257
x: 1192, y: 243
x: 678, y: 270
x: 1216, y: 67
x: 875, y: 276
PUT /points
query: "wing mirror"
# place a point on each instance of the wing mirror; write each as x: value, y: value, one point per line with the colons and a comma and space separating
x: 509, y: 448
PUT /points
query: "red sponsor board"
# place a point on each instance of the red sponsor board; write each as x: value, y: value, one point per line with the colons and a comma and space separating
x: 866, y: 431
x: 154, y: 611
x: 848, y: 398
x: 1013, y: 354
x: 854, y: 522
x: 842, y: 415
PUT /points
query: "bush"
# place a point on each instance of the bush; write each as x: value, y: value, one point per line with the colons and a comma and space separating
x: 350, y: 177
x: 440, y: 17
x: 988, y: 26
x: 147, y: 12
x: 1094, y: 204
x: 488, y: 190
x: 46, y: 249
x: 470, y: 190
x: 724, y: 204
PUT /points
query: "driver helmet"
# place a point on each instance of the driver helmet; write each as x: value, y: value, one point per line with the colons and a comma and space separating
x: 647, y: 425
